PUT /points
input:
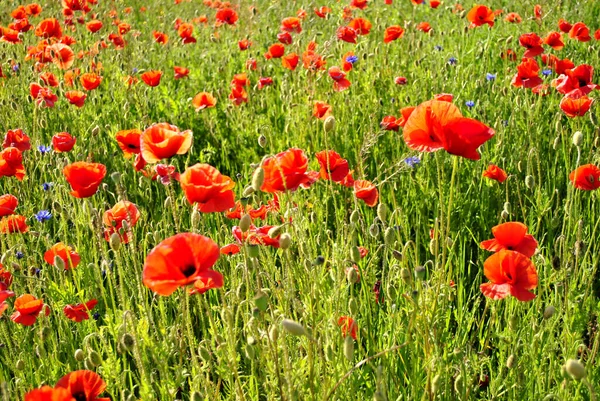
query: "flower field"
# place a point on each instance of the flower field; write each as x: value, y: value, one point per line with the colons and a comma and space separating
x: 299, y: 200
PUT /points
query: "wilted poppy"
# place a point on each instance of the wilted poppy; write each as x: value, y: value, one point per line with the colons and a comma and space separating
x: 533, y: 43
x: 8, y: 204
x: 481, y: 15
x: 16, y: 138
x: 333, y: 166
x: 152, y: 78
x: 203, y: 100
x: 366, y: 191
x: 494, y: 172
x: 586, y: 177
x: 83, y: 385
x: 348, y: 326
x: 226, y: 16
x: 76, y: 98
x: 321, y: 109
x: 285, y: 171
x: 113, y: 219
x: 84, y: 178
x: 163, y: 140
x: 66, y: 253
x: 392, y: 33
x: 178, y: 261
x: 575, y: 107
x: 512, y: 236
x: 27, y: 309
x: 11, y: 163
x: 90, y: 81
x: 79, y: 312
x: 129, y: 141
x: 63, y: 142
x: 510, y: 273
x: 207, y: 188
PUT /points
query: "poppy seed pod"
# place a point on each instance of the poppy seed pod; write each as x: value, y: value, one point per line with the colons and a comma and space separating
x: 258, y: 178
x: 549, y: 312
x: 79, y: 355
x: 262, y: 141
x: 293, y: 328
x: 329, y: 124
x: 285, y: 240
x: 575, y: 369
x: 577, y: 138
x: 529, y: 182
x: 245, y: 222
x: 349, y: 348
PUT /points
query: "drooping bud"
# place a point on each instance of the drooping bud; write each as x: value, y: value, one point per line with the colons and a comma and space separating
x: 577, y: 138
x: 575, y: 369
x: 249, y: 190
x: 382, y: 212
x: 354, y: 217
x: 116, y: 177
x: 530, y: 182
x: 262, y: 141
x: 168, y: 202
x: 195, y: 217
x: 274, y: 232
x: 510, y: 362
x: 329, y: 124
x: 59, y: 263
x: 95, y: 358
x: 354, y: 254
x: 285, y: 241
x: 127, y: 342
x: 389, y: 236
x: 293, y: 328
x: 549, y: 312
x: 258, y: 178
x: 79, y: 355
x: 115, y: 241
x: 245, y: 222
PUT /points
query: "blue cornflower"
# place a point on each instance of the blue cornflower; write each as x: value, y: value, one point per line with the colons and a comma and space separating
x: 96, y: 315
x: 490, y: 77
x: 134, y: 70
x: 412, y: 161
x: 470, y: 103
x: 452, y: 61
x: 352, y: 59
x: 19, y: 255
x: 47, y: 185
x: 546, y: 72
x: 15, y: 68
x: 44, y: 149
x: 43, y: 215
x: 438, y: 48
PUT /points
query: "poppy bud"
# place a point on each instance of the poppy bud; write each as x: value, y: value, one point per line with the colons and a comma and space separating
x: 79, y: 355
x: 509, y: 39
x: 195, y: 218
x: 127, y: 341
x: 382, y: 212
x: 354, y: 254
x: 285, y: 241
x: 389, y: 236
x: 349, y: 348
x: 597, y: 142
x: 95, y: 358
x: 436, y: 383
x: 196, y: 396
x: 115, y: 241
x: 262, y: 141
x: 420, y: 272
x: 353, y: 306
x: 261, y: 300
x: 258, y: 178
x: 549, y: 312
x: 458, y: 384
x: 249, y: 351
x: 245, y: 222
x: 274, y: 232
x: 3, y: 258
x: 249, y: 190
x: 352, y: 275
x: 88, y: 364
x: 204, y: 354
x: 95, y: 130
x: 529, y: 182
x: 507, y: 207
x: 45, y: 332
x: 116, y: 177
x: 374, y: 230
x: 405, y: 274
x: 59, y: 263
x: 329, y: 124
x: 577, y: 138
x: 354, y: 217
x: 510, y: 362
x: 505, y: 215
x: 556, y: 143
x: 319, y: 260
x: 293, y: 327
x: 168, y: 202
x: 20, y: 365
x: 432, y: 246
x: 575, y: 369
x: 273, y: 333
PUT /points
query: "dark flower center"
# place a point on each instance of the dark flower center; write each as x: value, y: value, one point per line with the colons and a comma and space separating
x: 188, y: 270
x: 79, y: 396
x: 131, y: 146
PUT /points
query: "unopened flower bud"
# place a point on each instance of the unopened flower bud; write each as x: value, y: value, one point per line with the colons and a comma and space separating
x: 510, y: 362
x: 575, y: 369
x: 253, y: 250
x: 95, y: 358
x: 285, y: 240
x: 258, y: 178
x: 293, y: 327
x: 249, y: 190
x: 45, y: 333
x: 352, y: 275
x: 349, y: 348
x: 115, y: 241
x: 374, y: 230
x: 127, y: 342
x: 59, y: 263
x: 354, y: 217
x: 196, y: 396
x: 379, y: 396
x: 389, y: 236
x: 261, y: 300
x: 397, y: 255
x: 204, y: 354
x: 116, y: 177
x: 505, y: 215
x: 436, y: 383
x: 354, y: 254
x: 549, y: 312
x: 420, y: 272
x: 195, y: 217
x: 245, y: 222
x: 168, y: 202
x: 274, y: 232
x: 405, y: 274
x: 529, y: 182
x: 262, y: 141
x: 79, y: 355
x: 556, y: 143
x: 20, y: 365
x: 577, y: 138
x: 353, y: 306
x: 382, y: 212
x: 329, y: 124
x: 508, y: 207
x: 274, y: 333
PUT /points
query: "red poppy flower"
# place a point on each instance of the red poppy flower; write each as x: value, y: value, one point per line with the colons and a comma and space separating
x: 79, y: 312
x: 512, y: 236
x: 366, y: 191
x: 129, y: 141
x: 348, y: 326
x: 160, y: 37
x: 16, y: 138
x: 322, y: 11
x: 226, y: 16
x: 70, y: 258
x: 49, y: 79
x: 514, y: 18
x: 321, y: 110
x: 276, y: 50
x: 76, y: 98
x: 554, y: 40
x: 90, y: 81
x: 203, y: 100
x: 8, y: 204
x: 255, y: 236
x: 162, y: 141
x: 178, y: 261
x: 494, y: 172
x: 94, y: 26
x: 206, y: 187
x: 392, y: 33
x: 42, y: 95
x: 10, y: 36
x: 27, y: 309
x: 390, y: 123
x: 576, y: 82
x: 575, y: 107
x: 580, y: 31
x: 360, y: 4
x: 63, y: 142
x: 62, y: 55
x: 481, y: 15
x: 510, y: 273
x: 333, y: 166
x: 291, y: 24
x: 11, y: 163
x: 113, y: 219
x: 180, y: 72
x: 290, y: 61
x: 537, y: 11
x: 405, y: 113
x: 433, y: 3
x: 424, y: 27
x: 84, y: 385
x: 586, y: 177
x: 285, y: 171
x: 13, y: 224
x: 49, y: 28
x: 230, y: 249
x: 47, y: 393
x: 238, y: 95
x: 340, y: 83
x: 185, y: 32
x: 84, y: 178
x: 527, y: 74
x: 152, y: 78
x: 347, y: 34
x: 533, y: 43
x: 244, y: 44
x: 362, y: 26
x: 564, y: 26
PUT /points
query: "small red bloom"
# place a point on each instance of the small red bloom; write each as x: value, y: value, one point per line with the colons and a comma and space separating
x: 366, y: 191
x: 495, y: 173
x: 79, y: 312
x: 512, y: 236
x: 348, y: 326
x: 63, y: 142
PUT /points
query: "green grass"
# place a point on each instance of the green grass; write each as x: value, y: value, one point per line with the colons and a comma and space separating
x: 218, y: 344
